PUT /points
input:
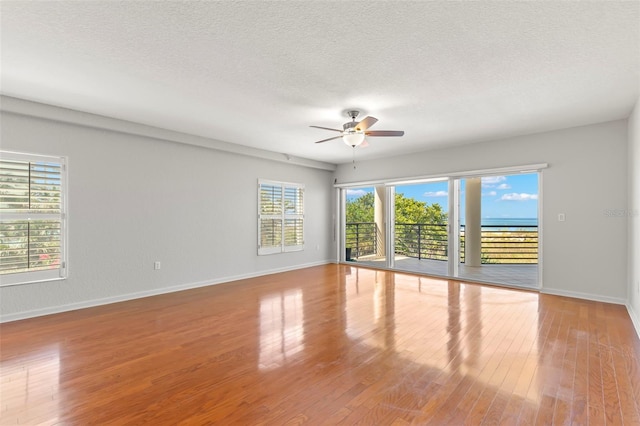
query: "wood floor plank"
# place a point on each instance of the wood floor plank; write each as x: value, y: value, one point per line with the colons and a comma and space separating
x: 596, y: 393
x: 566, y: 385
x: 333, y: 344
x: 629, y: 405
x: 579, y: 401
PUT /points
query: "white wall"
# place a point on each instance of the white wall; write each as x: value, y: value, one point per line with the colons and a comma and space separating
x: 121, y: 219
x: 634, y: 216
x: 585, y: 256
x: 135, y: 199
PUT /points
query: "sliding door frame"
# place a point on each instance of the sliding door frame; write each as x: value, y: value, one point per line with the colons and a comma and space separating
x: 453, y: 228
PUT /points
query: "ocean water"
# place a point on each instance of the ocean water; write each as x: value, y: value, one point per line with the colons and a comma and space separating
x: 509, y: 221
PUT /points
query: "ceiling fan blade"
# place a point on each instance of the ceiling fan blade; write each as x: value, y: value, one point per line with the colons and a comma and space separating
x: 366, y: 123
x: 385, y: 133
x: 330, y: 139
x: 326, y: 128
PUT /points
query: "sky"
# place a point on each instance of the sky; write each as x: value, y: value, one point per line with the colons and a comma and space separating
x: 510, y: 196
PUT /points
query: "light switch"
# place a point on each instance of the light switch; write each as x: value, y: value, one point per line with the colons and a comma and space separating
x: 560, y: 217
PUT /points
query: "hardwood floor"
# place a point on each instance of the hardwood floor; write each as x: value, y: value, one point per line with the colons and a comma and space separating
x: 326, y: 345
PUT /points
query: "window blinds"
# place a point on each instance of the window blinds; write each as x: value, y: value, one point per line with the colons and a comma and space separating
x: 280, y: 217
x: 32, y: 223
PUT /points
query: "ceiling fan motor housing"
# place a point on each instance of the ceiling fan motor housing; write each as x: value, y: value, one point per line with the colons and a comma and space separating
x: 350, y: 126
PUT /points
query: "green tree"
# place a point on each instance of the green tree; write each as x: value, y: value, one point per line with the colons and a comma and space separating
x: 419, y: 230
x: 361, y: 209
x: 408, y: 210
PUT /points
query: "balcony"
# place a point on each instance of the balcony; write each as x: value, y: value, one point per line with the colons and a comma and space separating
x: 509, y: 254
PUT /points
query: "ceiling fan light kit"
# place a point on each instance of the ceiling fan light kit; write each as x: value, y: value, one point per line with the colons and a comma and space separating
x: 353, y: 137
x: 353, y: 133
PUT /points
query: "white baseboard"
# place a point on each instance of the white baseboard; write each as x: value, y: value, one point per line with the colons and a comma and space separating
x: 586, y: 296
x: 635, y: 318
x: 140, y: 294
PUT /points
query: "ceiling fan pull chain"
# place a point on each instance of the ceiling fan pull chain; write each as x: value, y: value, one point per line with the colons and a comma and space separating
x: 354, y: 157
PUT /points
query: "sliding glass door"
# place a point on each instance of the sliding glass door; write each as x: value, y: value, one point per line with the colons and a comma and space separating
x: 421, y: 227
x: 482, y: 228
x: 365, y: 221
x: 499, y: 229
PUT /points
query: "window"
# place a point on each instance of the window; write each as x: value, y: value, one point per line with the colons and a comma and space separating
x: 280, y: 217
x: 32, y: 224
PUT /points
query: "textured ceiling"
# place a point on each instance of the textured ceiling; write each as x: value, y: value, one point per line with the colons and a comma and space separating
x: 259, y: 73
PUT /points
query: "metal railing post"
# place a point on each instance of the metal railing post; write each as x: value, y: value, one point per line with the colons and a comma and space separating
x: 419, y: 241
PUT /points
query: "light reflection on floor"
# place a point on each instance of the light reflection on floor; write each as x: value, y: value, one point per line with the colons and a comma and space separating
x: 281, y: 328
x: 382, y: 310
x: 31, y: 381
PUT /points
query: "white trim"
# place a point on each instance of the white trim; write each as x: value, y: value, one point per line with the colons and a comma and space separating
x: 635, y: 318
x: 265, y: 251
x: 341, y: 198
x: 26, y: 215
x: 291, y: 249
x: 32, y: 277
x: 418, y: 181
x: 28, y: 157
x: 149, y: 293
x: 453, y: 228
x: 279, y: 183
x: 585, y: 296
x: 390, y: 225
x: 527, y: 168
x: 540, y: 231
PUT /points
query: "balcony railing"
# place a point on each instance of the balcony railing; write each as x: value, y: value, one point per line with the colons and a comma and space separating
x: 506, y: 244
x: 500, y: 244
x: 361, y: 239
x: 422, y: 240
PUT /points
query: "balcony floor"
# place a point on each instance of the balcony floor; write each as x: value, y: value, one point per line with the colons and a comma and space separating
x: 516, y: 275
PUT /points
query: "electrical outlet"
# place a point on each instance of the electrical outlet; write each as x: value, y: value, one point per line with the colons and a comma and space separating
x: 156, y: 265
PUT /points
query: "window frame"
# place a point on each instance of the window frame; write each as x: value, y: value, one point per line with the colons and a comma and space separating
x: 282, y: 216
x: 53, y: 274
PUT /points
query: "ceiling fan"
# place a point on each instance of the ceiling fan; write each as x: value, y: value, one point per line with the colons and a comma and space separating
x: 353, y: 132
